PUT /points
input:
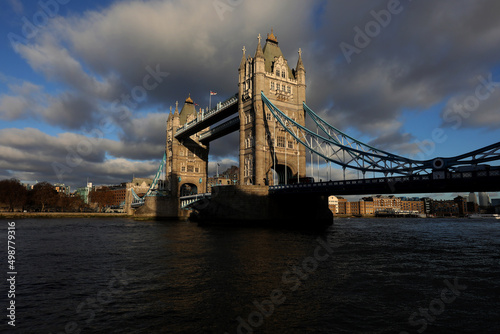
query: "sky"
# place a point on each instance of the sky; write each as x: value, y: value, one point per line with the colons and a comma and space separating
x: 86, y: 86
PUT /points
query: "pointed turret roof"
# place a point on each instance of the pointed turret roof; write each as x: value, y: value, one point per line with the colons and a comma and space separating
x: 258, y: 52
x: 169, y: 114
x: 300, y: 65
x: 272, y: 51
x: 176, y: 112
x: 243, y: 59
x: 187, y: 109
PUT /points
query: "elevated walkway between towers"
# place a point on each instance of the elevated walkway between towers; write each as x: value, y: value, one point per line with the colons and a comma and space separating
x: 217, y: 114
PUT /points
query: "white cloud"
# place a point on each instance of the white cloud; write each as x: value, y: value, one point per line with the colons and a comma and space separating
x: 93, y: 59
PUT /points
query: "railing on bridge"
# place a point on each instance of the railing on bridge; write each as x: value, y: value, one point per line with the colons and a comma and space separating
x: 220, y: 128
x: 136, y: 200
x: 220, y: 107
x: 398, y: 184
x: 189, y: 200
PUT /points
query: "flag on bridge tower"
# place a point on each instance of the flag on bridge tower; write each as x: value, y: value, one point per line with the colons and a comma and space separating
x: 210, y: 103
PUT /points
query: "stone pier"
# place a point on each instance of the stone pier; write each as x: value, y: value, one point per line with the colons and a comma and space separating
x: 253, y: 205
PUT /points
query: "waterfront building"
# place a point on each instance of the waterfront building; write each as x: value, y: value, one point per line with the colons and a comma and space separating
x: 444, y: 208
x: 333, y: 204
x: 385, y: 202
x: 343, y: 207
x: 427, y: 205
x: 413, y: 204
x: 462, y: 205
x: 472, y: 207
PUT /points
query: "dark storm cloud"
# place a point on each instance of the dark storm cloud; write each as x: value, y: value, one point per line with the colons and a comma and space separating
x: 142, y: 56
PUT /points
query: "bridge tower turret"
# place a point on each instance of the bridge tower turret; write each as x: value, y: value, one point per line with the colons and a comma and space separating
x: 264, y: 144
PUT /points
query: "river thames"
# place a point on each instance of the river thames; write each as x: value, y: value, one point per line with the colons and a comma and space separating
x: 359, y: 276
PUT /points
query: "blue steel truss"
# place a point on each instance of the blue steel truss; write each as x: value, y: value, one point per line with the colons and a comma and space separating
x: 335, y: 146
x: 155, y: 189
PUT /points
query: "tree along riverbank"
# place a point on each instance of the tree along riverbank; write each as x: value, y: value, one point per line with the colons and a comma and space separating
x: 4, y: 215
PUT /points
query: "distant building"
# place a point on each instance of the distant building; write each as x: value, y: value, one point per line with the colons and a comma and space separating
x: 444, y: 208
x: 28, y: 184
x: 61, y: 188
x: 484, y: 199
x: 413, y: 204
x: 114, y: 195
x: 462, y: 205
x: 472, y: 198
x: 427, y: 205
x: 228, y: 177
x: 333, y: 204
x: 385, y: 202
x: 84, y: 192
x: 343, y: 207
x: 472, y: 207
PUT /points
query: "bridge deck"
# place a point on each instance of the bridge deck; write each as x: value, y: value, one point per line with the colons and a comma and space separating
x: 221, y: 130
x: 453, y: 182
x: 222, y: 111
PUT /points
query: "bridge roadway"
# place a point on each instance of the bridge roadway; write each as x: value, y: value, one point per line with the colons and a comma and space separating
x: 432, y: 183
x: 217, y: 114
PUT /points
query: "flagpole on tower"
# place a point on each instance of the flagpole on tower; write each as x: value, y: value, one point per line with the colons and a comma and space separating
x: 210, y: 100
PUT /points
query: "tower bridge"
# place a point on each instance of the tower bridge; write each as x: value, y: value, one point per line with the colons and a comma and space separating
x: 269, y: 111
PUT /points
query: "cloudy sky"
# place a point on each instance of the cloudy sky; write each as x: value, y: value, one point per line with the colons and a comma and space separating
x: 86, y: 86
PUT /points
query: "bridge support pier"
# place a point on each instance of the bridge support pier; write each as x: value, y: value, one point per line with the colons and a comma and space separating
x: 252, y: 205
x: 160, y: 208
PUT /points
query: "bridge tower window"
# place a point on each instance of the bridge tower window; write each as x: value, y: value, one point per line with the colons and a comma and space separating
x: 282, y: 74
x: 277, y: 72
x: 268, y: 116
x: 272, y: 85
x: 280, y: 141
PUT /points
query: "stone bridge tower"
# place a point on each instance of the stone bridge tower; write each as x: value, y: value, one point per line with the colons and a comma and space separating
x: 187, y: 159
x: 264, y: 144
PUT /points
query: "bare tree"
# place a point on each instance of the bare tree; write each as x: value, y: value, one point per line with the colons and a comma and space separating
x: 13, y: 193
x: 44, y: 195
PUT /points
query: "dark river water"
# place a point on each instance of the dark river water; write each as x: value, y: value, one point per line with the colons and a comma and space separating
x: 359, y: 276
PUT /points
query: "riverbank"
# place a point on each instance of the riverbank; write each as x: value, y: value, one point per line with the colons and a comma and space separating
x: 20, y: 215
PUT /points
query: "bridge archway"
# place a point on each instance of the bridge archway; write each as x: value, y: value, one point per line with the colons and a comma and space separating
x: 188, y: 189
x: 280, y: 174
